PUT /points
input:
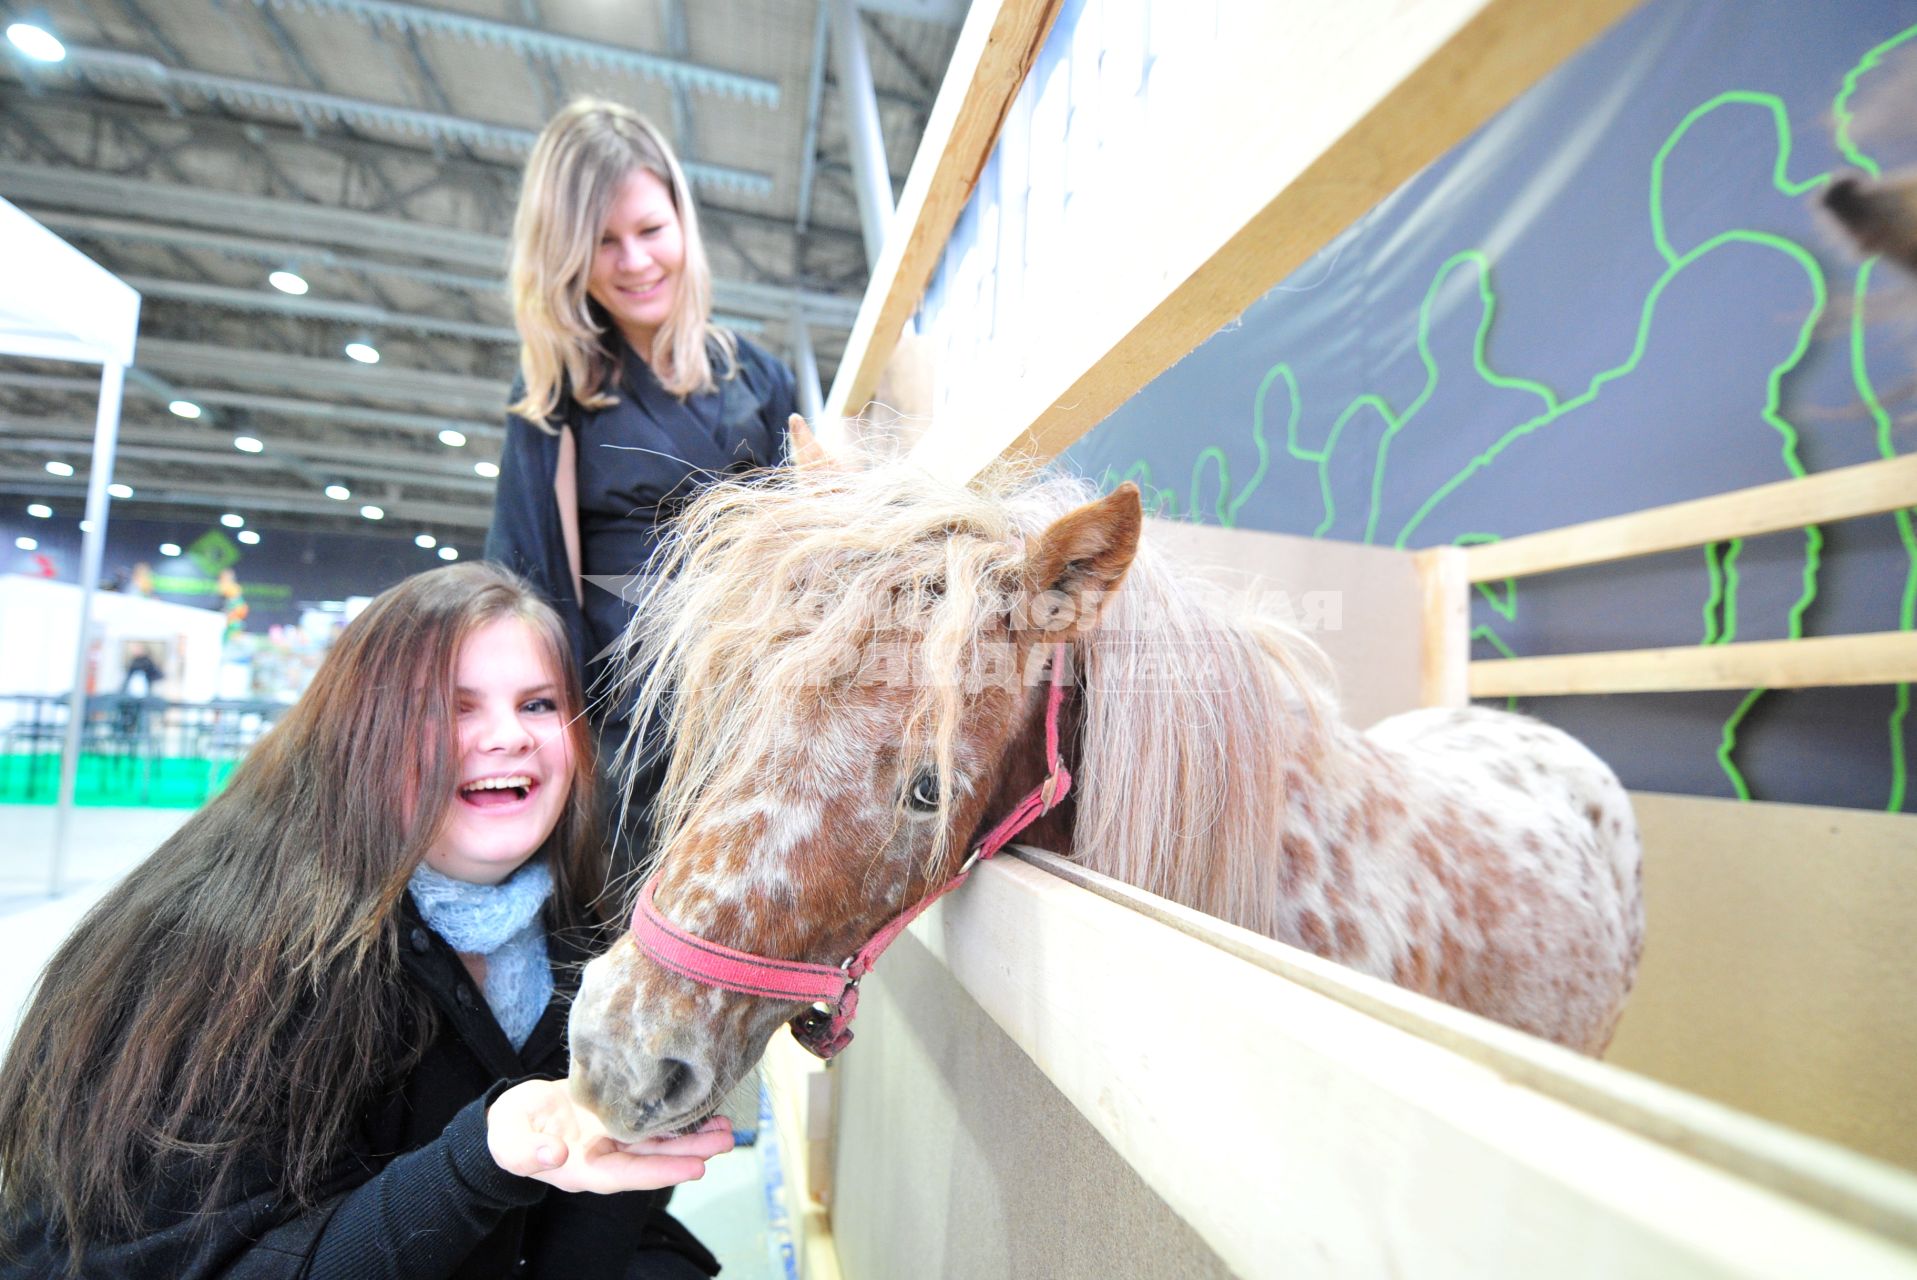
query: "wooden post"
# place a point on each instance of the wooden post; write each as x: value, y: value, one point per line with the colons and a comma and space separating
x: 1446, y: 654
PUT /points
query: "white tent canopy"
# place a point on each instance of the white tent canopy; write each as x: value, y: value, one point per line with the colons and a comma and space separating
x: 57, y: 304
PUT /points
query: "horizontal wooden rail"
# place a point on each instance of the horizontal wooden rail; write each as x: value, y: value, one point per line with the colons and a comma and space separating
x: 1868, y: 489
x: 1379, y: 1137
x: 995, y: 49
x: 1885, y: 657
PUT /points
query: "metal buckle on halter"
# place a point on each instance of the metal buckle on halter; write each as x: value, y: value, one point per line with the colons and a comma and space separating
x: 1048, y: 794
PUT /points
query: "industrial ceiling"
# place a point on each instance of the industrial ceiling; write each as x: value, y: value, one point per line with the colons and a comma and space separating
x: 373, y: 149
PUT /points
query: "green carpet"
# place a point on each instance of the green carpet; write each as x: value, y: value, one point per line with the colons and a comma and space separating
x: 164, y: 783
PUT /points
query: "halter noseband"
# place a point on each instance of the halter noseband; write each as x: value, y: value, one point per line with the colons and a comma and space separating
x: 825, y: 1030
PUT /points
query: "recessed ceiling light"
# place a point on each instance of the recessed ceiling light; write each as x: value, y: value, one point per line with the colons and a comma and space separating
x: 169, y: 548
x: 449, y: 553
x: 232, y: 521
x: 426, y: 540
x: 86, y: 526
x: 26, y: 544
x: 364, y: 352
x: 247, y: 444
x: 287, y: 282
x: 338, y: 492
x: 120, y: 490
x: 249, y: 537
x: 41, y: 511
x: 487, y: 469
x: 59, y: 468
x: 452, y: 438
x: 185, y: 408
x: 36, y: 42
x: 372, y: 512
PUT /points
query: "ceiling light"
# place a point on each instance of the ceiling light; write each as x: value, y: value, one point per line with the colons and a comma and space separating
x: 169, y: 549
x: 36, y: 42
x: 86, y: 526
x: 59, y: 468
x: 185, y: 408
x: 249, y: 537
x: 247, y: 444
x: 364, y: 352
x: 41, y: 511
x: 26, y: 544
x: 232, y: 521
x: 120, y: 490
x: 449, y: 553
x: 487, y: 469
x: 286, y: 280
x: 338, y: 492
x: 372, y: 513
x: 452, y: 438
x: 426, y: 540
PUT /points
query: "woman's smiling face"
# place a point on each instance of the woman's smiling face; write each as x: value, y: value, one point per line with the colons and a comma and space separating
x: 515, y: 757
x: 641, y: 255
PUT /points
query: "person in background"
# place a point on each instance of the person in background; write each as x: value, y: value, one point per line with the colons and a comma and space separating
x: 284, y: 1045
x: 142, y: 674
x: 629, y: 396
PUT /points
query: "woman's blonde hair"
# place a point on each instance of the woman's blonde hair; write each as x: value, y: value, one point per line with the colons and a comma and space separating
x: 577, y: 165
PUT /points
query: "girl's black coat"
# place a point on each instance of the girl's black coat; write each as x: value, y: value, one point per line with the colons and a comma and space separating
x: 422, y: 1199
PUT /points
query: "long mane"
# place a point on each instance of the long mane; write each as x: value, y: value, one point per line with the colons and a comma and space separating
x: 1192, y: 702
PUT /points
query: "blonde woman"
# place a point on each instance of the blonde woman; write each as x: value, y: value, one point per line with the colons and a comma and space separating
x: 629, y: 397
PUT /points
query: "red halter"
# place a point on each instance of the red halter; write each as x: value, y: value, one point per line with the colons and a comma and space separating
x: 825, y: 1030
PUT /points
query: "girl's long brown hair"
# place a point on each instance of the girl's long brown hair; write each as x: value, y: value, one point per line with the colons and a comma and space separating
x: 237, y: 999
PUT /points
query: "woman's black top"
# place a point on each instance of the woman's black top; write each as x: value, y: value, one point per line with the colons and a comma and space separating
x: 639, y: 462
x: 419, y: 1198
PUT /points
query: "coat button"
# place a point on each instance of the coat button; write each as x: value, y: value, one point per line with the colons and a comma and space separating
x: 464, y: 994
x: 419, y: 942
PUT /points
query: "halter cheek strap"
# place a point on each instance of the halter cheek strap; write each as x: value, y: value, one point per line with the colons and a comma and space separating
x: 834, y: 990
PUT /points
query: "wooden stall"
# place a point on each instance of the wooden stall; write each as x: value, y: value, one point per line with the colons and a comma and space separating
x: 1058, y: 1075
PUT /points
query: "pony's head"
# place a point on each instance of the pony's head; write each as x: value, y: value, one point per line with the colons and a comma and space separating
x: 848, y: 664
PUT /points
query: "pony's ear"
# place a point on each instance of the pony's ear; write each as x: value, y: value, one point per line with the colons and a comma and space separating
x: 804, y: 446
x: 1075, y: 565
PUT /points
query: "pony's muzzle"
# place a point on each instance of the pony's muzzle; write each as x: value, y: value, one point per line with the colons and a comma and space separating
x: 634, y: 1094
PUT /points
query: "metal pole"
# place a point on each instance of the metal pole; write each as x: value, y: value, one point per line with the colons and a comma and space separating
x: 814, y: 94
x: 861, y: 106
x: 106, y: 431
x: 806, y: 365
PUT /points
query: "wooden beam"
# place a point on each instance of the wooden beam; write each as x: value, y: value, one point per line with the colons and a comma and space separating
x: 995, y: 49
x: 1293, y: 122
x: 1884, y: 657
x: 1445, y: 656
x: 1828, y: 1177
x: 1373, y: 1151
x: 1870, y: 488
x: 799, y: 1087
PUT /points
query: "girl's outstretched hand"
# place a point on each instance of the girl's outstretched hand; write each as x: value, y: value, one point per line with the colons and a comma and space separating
x: 536, y: 1130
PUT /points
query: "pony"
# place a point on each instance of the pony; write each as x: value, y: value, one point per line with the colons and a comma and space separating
x: 853, y: 667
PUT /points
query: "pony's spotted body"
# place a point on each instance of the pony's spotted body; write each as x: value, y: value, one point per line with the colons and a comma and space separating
x: 857, y: 662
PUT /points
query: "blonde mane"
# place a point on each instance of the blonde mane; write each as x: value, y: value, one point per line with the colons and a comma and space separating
x: 769, y: 592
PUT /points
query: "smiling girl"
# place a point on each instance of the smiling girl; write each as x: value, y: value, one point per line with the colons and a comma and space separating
x: 629, y: 398
x: 280, y: 1046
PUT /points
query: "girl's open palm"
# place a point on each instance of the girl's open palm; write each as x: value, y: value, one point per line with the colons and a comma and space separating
x: 536, y: 1130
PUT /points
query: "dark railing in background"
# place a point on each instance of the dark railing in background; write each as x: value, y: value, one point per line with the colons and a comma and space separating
x: 133, y: 751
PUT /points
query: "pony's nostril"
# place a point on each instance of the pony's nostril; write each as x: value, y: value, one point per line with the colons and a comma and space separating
x: 674, y: 1078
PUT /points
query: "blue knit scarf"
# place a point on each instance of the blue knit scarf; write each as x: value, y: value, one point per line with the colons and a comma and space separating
x: 500, y: 922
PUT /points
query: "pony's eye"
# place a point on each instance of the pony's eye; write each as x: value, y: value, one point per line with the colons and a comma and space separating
x: 924, y: 795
